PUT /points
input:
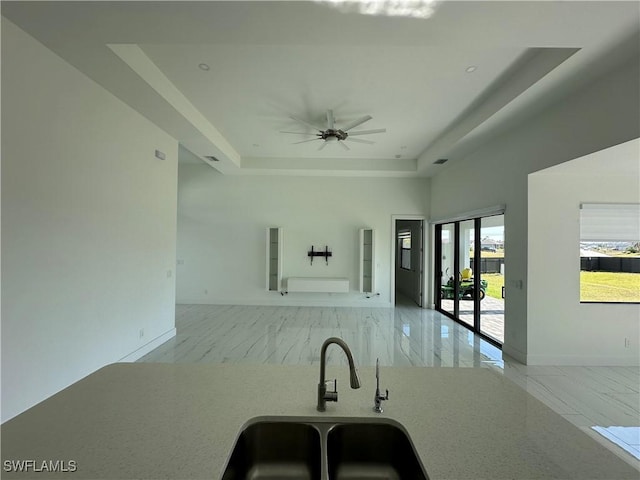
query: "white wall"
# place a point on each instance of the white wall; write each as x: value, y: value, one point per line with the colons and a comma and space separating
x: 601, y: 114
x: 555, y: 315
x: 88, y: 226
x: 222, y: 222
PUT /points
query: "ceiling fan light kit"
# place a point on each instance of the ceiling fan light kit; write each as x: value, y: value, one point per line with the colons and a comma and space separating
x: 333, y: 134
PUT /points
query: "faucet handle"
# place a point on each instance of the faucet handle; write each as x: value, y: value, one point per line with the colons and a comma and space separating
x: 331, y: 395
x: 378, y: 399
x: 335, y: 384
x: 383, y: 397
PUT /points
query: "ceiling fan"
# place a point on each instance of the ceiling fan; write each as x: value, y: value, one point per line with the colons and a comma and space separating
x: 333, y: 134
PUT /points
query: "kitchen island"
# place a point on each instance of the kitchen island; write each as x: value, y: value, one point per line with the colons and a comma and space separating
x: 178, y: 421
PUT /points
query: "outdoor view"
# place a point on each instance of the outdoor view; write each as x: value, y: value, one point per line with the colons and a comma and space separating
x: 492, y: 270
x: 610, y: 252
x: 610, y: 272
x: 489, y: 273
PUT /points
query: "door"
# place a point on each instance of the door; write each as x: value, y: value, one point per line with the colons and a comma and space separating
x: 447, y: 291
x: 464, y: 273
x: 409, y: 260
x: 417, y: 254
x: 491, y: 272
x: 469, y: 274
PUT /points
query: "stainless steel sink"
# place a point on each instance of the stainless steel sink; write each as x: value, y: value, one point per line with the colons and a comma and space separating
x: 269, y: 450
x: 323, y: 449
x: 358, y: 451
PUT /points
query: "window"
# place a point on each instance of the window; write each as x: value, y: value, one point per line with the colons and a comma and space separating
x: 404, y: 240
x: 610, y: 253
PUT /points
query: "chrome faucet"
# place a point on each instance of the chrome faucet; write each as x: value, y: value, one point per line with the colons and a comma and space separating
x: 325, y: 396
x: 378, y: 397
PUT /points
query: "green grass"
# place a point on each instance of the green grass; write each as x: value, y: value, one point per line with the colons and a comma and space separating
x: 609, y: 287
x: 495, y: 282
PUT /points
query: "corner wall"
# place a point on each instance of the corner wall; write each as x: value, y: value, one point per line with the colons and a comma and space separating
x: 599, y: 115
x: 555, y: 315
x: 88, y: 226
x: 222, y: 222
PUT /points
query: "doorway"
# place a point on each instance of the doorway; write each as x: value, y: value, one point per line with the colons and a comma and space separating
x: 409, y: 261
x: 469, y: 274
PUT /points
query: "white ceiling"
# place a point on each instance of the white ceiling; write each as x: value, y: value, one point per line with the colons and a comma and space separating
x: 271, y: 60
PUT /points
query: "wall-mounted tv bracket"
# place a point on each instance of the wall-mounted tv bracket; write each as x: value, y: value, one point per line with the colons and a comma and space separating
x: 326, y: 254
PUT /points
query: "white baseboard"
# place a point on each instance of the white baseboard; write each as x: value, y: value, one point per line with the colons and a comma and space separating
x: 514, y: 353
x: 584, y: 360
x: 292, y: 300
x: 155, y: 343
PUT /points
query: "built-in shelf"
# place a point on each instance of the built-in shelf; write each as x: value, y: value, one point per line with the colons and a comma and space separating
x: 274, y: 259
x: 367, y: 260
x: 318, y: 284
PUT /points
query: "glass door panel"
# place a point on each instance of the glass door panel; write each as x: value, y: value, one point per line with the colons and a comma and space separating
x: 469, y: 278
x: 465, y: 273
x: 447, y: 268
x: 491, y: 272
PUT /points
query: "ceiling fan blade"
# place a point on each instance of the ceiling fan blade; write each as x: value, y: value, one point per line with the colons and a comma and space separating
x: 330, y: 121
x: 298, y: 133
x: 367, y: 132
x: 324, y: 144
x: 305, y: 141
x: 344, y: 145
x: 359, y: 140
x: 355, y: 123
x: 303, y: 122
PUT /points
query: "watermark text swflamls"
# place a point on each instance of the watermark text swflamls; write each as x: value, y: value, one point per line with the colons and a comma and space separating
x: 38, y: 466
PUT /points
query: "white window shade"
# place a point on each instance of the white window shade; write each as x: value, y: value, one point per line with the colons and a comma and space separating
x: 610, y: 222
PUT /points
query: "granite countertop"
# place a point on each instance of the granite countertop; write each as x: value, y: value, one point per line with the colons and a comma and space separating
x: 181, y: 421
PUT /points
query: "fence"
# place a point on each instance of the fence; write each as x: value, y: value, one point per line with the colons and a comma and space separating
x: 610, y: 264
x: 591, y: 264
x: 490, y: 265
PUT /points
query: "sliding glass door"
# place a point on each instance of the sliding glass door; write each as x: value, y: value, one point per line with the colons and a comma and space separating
x: 491, y: 273
x: 464, y: 273
x: 447, y: 267
x: 470, y: 273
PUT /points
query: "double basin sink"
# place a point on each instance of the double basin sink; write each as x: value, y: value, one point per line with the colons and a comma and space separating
x: 322, y: 449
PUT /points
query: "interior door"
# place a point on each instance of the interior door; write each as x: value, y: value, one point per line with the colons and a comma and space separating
x: 409, y: 267
x: 416, y: 252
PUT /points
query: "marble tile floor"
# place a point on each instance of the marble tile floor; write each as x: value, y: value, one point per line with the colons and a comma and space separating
x: 491, y: 315
x: 604, y: 402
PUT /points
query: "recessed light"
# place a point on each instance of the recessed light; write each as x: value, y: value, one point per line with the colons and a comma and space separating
x: 440, y: 161
x: 211, y: 158
x: 471, y: 69
x: 204, y: 66
x: 398, y: 156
